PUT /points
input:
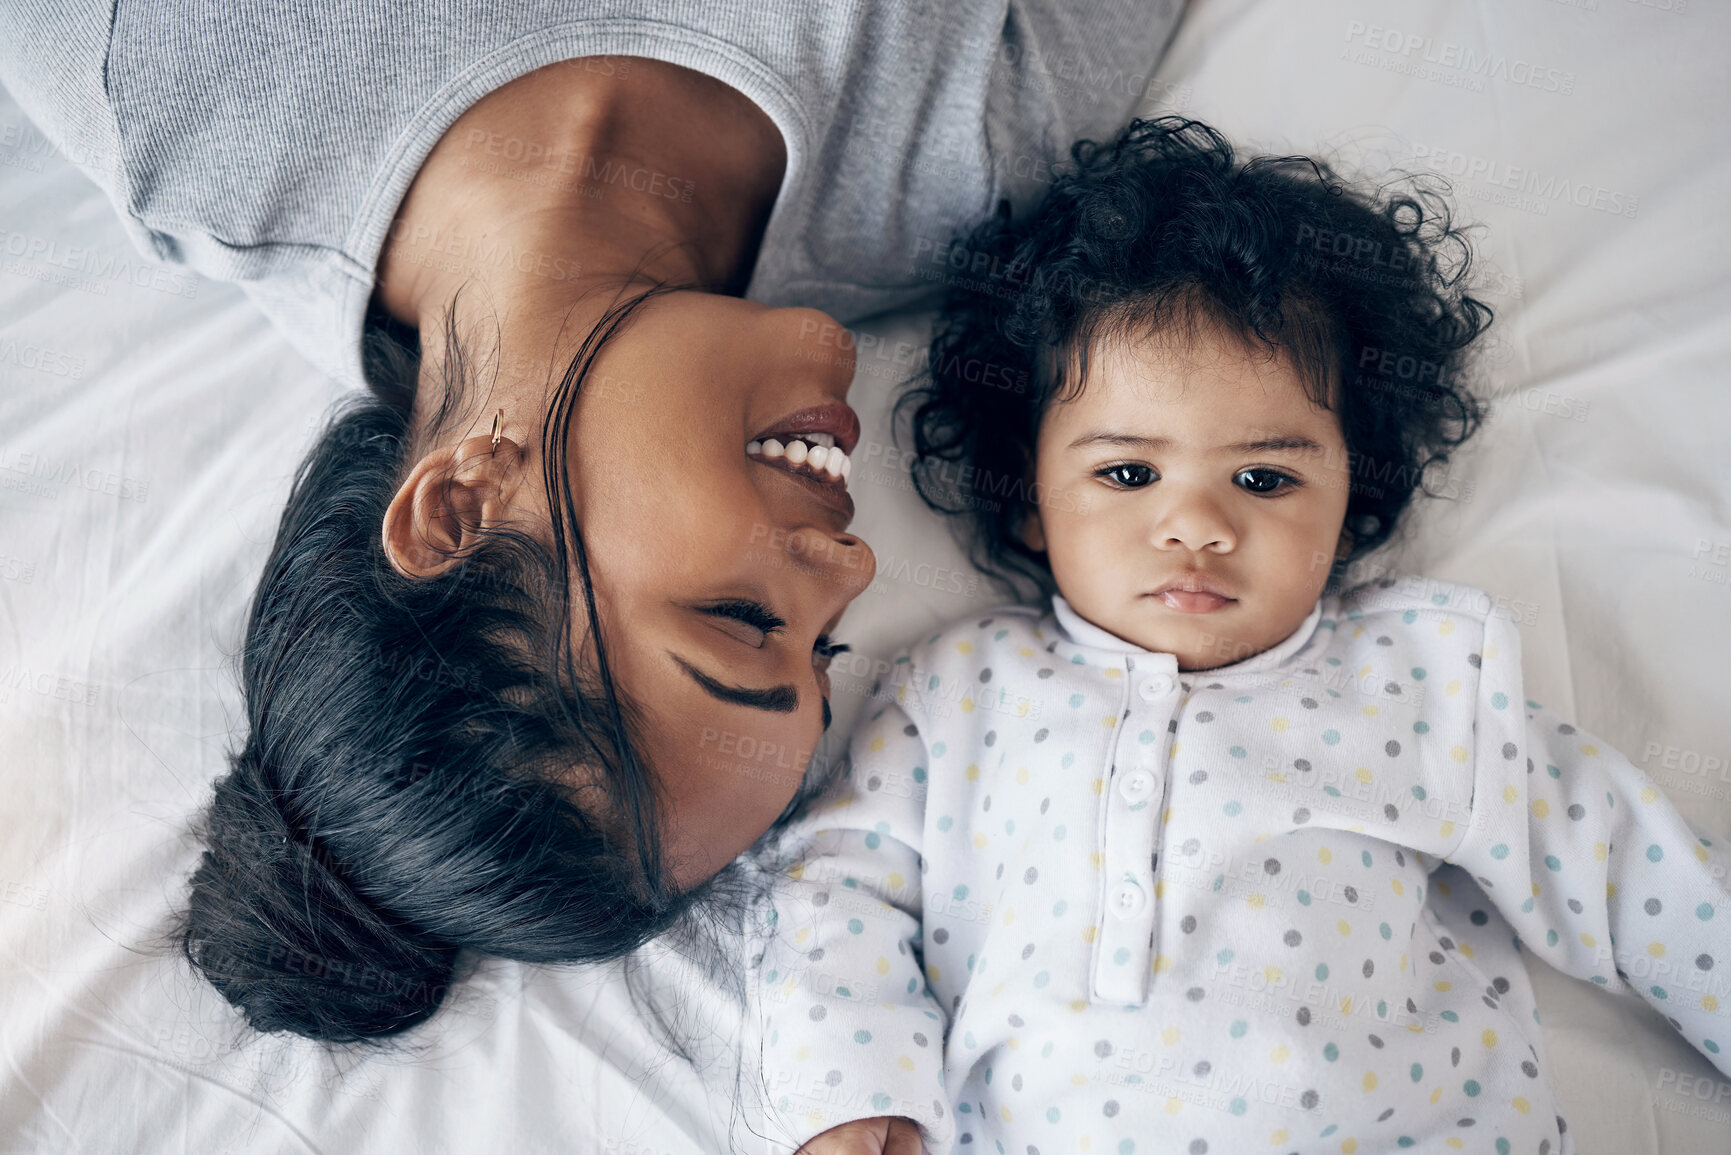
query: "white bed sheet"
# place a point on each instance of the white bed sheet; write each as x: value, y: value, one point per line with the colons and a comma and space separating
x: 150, y: 422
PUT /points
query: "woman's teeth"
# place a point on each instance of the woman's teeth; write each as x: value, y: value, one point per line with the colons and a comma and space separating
x: 816, y: 453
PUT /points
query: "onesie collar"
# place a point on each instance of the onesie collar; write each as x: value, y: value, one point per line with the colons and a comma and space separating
x: 1082, y: 632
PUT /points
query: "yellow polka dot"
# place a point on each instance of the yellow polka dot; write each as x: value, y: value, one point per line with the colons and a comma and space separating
x: 1466, y: 949
x: 934, y: 973
x: 1173, y: 752
x: 1363, y: 774
x: 1279, y: 1137
x: 1444, y: 985
x: 1280, y: 1054
x: 1656, y: 949
x: 1709, y: 1003
x: 905, y: 1063
x: 1348, y: 1146
x: 1097, y: 859
x: 1162, y: 963
x: 1436, y: 1094
x: 1257, y: 901
x: 1371, y: 711
x: 804, y: 934
x: 1448, y: 828
x: 967, y: 705
x: 1343, y: 926
x: 1599, y: 851
x: 1446, y: 628
x: 1109, y: 721
x: 1160, y: 889
x: 1510, y: 794
x: 1114, y: 673
x: 979, y: 842
x: 1279, y: 725
x: 1541, y: 809
x: 797, y: 872
x: 1022, y: 776
x: 1452, y: 688
x: 1324, y: 856
x: 1005, y: 1112
x: 964, y: 647
x: 1174, y: 1105
x: 877, y: 744
x: 1364, y: 671
x: 1520, y: 1104
x: 1088, y: 933
x: 1459, y: 753
x: 1009, y: 915
x: 1170, y: 1036
x: 1022, y: 707
x: 883, y: 965
x: 895, y: 880
x: 1455, y: 1142
x: 1166, y: 817
x: 1590, y: 751
x: 972, y: 773
x: 1442, y: 888
x: 1087, y: 1142
x: 1077, y: 1006
x: 1610, y: 890
x: 1099, y: 785
x: 1024, y: 651
x: 1489, y: 1038
x: 1078, y: 1080
x: 1398, y: 888
x: 1649, y: 794
x: 802, y: 1054
x: 1588, y: 940
x: 1701, y: 852
x: 1346, y: 1006
x: 1370, y: 1080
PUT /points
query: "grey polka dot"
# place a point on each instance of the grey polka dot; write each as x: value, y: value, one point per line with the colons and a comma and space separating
x: 1016, y: 1083
x: 1198, y: 1147
x: 1392, y: 689
x: 1575, y: 905
x: 1302, y: 765
x: 1466, y: 1122
x: 1704, y: 962
x: 1000, y: 870
x: 1436, y: 957
x: 1190, y: 847
x: 1565, y: 728
x: 1510, y: 750
x: 986, y: 804
x: 1044, y: 672
x: 1478, y: 918
x: 1309, y: 1100
x: 815, y: 954
x: 1384, y: 640
x: 1375, y: 1041
x: 1198, y: 777
x: 919, y: 1039
x: 1652, y: 906
x: 1369, y: 968
x: 833, y: 1078
x: 874, y: 782
x: 1304, y: 1016
x: 1030, y: 875
x: 1391, y: 748
x: 1474, y: 660
x: 1577, y: 811
x: 991, y: 738
x: 1391, y: 812
x: 1501, y: 985
x: 941, y: 936
x: 1204, y: 715
x: 1109, y: 1108
x: 1271, y: 866
x: 1292, y: 938
x: 1200, y: 1070
x: 1041, y: 734
x: 1307, y: 703
x: 1446, y: 942
x: 911, y: 730
x: 821, y: 898
x: 1454, y: 1057
x: 1028, y: 951
x: 1102, y: 1049
x: 1301, y: 815
x: 1188, y: 925
x: 1400, y: 858
x: 817, y: 1014
x: 986, y: 674
x: 1195, y: 994
x: 1351, y: 894
x: 1045, y: 805
x: 1529, y: 1068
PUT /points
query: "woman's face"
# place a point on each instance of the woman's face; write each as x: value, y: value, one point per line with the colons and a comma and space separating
x: 718, y: 569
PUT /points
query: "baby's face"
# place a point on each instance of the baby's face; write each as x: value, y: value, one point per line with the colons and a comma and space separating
x: 1192, y: 497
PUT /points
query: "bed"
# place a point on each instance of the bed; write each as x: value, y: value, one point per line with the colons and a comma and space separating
x: 150, y: 423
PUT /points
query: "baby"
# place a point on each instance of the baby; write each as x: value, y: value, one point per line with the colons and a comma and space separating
x: 1150, y: 868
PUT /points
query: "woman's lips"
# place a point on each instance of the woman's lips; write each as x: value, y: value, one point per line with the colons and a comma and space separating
x: 835, y: 418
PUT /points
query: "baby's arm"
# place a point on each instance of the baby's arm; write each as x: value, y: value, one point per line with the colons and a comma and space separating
x: 850, y: 1029
x: 1591, y: 863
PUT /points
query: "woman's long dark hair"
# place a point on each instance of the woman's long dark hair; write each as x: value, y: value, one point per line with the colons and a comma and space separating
x: 430, y: 765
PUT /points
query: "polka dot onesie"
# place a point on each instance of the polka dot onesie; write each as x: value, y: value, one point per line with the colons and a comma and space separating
x: 1070, y: 898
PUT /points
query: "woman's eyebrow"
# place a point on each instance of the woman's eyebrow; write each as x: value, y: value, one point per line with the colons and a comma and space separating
x: 776, y: 699
x: 1270, y: 444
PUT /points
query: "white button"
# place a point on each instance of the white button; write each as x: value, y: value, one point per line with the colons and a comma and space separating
x: 1136, y: 785
x: 1127, y: 900
x: 1156, y: 687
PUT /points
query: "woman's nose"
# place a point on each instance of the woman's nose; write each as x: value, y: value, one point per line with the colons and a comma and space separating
x: 843, y: 563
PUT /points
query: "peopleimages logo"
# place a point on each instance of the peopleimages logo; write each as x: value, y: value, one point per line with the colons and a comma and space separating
x: 1461, y: 59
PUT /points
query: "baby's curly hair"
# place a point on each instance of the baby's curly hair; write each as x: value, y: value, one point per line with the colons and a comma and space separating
x: 1166, y: 230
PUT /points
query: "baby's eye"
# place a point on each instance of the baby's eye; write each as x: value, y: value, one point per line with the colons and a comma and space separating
x: 1265, y: 481
x: 1128, y: 476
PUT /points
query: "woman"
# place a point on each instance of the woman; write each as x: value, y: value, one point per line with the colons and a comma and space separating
x: 572, y: 547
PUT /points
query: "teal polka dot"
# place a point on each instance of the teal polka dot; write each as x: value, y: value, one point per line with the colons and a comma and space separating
x: 1000, y: 635
x: 1233, y: 808
x: 1121, y: 955
x: 1237, y: 751
x: 1224, y: 957
x: 1010, y: 826
x: 1451, y: 1016
x: 1499, y: 700
x: 1503, y: 1147
x: 1417, y: 1072
x: 1500, y: 850
x: 1053, y: 1114
x: 1364, y: 857
x: 1418, y: 673
x: 1041, y: 979
x: 932, y: 683
x: 1331, y: 1052
x: 959, y: 893
x: 1551, y: 938
x: 1440, y: 599
x: 1405, y: 1141
x: 1387, y: 931
x: 1409, y: 617
x: 1659, y: 992
x: 920, y: 772
x: 1712, y: 1047
x: 872, y: 841
x: 1242, y: 698
x: 1068, y: 759
x: 1421, y: 727
x: 1655, y: 852
x: 881, y: 1102
x: 1239, y: 1026
x: 938, y: 749
x: 1332, y: 737
x: 1553, y: 862
x: 1238, y: 1106
x: 1321, y: 972
x: 1419, y: 793
x: 1553, y: 771
x: 1145, y: 737
x: 1076, y: 700
x: 1126, y: 1147
x: 862, y: 1036
x: 855, y: 926
x: 1058, y: 833
x: 1304, y: 898
x: 1704, y: 912
x: 1059, y: 907
x: 945, y: 823
x: 1471, y: 1087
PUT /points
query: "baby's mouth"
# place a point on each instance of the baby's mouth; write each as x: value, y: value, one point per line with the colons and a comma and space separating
x: 812, y: 455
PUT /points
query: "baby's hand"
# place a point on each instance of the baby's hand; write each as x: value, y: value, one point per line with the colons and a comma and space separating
x: 880, y: 1136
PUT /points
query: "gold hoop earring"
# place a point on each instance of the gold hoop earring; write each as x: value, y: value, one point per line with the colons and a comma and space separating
x: 498, y: 425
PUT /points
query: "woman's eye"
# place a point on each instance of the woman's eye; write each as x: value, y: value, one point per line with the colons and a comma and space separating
x: 760, y: 621
x: 1128, y: 476
x: 1265, y: 480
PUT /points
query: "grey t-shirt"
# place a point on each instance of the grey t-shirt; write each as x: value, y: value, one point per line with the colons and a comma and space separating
x: 271, y: 143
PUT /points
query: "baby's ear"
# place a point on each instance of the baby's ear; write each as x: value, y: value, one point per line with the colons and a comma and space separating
x: 1030, y: 530
x: 1344, y: 546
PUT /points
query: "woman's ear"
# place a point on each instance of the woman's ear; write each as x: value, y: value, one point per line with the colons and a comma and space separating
x: 450, y: 496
